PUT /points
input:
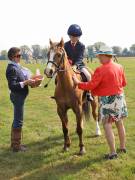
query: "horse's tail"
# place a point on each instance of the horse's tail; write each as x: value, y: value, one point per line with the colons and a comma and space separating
x: 86, y: 110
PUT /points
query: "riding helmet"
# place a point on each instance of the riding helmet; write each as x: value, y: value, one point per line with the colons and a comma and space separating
x: 74, y: 30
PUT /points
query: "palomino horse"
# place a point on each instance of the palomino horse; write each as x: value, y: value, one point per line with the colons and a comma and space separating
x: 67, y: 95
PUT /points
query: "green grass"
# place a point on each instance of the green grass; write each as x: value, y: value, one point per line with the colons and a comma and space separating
x: 43, y: 135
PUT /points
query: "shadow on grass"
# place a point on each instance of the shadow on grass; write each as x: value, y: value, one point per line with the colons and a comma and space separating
x: 93, y: 136
x: 52, y: 142
x: 43, y: 160
x: 61, y: 170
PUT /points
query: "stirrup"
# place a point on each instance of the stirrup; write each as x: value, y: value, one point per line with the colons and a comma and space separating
x: 89, y: 97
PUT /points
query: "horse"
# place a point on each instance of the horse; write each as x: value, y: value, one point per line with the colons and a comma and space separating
x: 67, y: 95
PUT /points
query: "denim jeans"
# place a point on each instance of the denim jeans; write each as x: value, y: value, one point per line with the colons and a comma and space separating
x: 18, y: 103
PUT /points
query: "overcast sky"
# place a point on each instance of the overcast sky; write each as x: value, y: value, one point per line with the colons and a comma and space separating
x: 35, y: 21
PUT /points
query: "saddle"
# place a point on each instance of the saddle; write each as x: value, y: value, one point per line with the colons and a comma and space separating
x: 77, y: 71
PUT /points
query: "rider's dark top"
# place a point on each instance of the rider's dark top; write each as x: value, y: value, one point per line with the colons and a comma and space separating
x: 75, y: 53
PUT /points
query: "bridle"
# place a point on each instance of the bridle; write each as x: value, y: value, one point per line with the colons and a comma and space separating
x: 57, y: 66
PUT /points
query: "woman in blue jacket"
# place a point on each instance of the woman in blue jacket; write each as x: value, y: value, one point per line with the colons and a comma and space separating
x: 18, y: 83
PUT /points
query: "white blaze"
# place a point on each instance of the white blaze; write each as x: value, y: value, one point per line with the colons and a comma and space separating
x: 51, y: 58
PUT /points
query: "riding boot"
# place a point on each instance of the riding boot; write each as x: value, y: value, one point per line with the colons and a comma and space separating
x: 89, y: 96
x: 16, y: 140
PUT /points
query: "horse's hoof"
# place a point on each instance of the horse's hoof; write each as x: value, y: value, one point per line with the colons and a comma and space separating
x: 65, y: 149
x: 82, y: 151
x: 98, y: 134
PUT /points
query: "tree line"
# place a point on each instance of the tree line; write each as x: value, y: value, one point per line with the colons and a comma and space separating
x: 125, y: 52
x: 37, y: 52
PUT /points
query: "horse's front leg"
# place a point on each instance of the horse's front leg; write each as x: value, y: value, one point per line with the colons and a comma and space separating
x: 62, y: 112
x: 79, y: 129
x: 94, y: 105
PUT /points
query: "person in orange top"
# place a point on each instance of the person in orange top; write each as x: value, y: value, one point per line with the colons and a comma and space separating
x: 107, y: 82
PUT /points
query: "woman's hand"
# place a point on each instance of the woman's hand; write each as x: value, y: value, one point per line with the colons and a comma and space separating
x: 75, y: 80
x: 29, y: 82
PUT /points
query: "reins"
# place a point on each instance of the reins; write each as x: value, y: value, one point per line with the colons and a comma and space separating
x: 58, y: 69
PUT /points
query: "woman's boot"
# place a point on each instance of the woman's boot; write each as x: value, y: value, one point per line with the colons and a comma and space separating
x: 16, y: 140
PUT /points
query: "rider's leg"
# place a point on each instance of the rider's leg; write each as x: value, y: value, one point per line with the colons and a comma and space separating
x: 86, y: 73
x: 88, y: 77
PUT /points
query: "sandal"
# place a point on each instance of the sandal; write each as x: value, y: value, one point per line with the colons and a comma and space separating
x: 111, y: 156
x: 121, y: 150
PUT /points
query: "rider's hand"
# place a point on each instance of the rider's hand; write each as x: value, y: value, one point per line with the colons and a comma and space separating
x: 74, y: 67
x: 76, y: 81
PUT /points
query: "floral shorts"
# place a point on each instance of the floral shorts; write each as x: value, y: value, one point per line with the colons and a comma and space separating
x: 112, y: 108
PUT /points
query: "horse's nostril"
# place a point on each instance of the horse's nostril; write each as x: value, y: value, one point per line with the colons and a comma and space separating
x: 51, y: 71
x: 48, y: 72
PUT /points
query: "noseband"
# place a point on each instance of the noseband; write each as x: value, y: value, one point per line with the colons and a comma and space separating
x: 58, y: 65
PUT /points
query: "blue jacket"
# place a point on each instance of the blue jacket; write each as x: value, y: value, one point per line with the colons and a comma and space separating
x: 14, y: 75
x: 75, y: 54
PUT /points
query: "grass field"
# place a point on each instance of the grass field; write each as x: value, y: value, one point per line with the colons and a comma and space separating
x: 43, y: 135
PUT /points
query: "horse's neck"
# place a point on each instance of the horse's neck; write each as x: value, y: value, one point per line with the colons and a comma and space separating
x: 65, y: 74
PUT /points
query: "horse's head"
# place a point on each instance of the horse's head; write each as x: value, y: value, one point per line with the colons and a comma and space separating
x: 55, y: 58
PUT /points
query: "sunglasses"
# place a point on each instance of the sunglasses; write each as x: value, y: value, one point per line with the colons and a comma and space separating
x: 18, y: 56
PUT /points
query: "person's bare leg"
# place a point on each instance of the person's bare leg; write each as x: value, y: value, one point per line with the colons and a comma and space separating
x: 121, y: 133
x: 110, y: 137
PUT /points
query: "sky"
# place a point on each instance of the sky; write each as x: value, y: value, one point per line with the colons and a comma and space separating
x: 35, y: 21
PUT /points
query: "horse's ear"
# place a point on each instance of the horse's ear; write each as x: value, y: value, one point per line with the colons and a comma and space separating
x: 61, y: 43
x: 51, y: 43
